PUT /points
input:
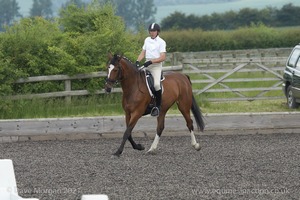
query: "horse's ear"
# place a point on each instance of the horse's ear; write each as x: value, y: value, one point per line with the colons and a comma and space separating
x: 117, y: 57
x: 109, y: 55
x: 120, y: 57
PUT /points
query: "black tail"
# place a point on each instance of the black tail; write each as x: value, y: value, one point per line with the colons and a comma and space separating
x: 198, y: 115
x: 197, y: 112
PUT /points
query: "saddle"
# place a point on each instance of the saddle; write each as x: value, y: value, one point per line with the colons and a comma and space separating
x: 151, y: 89
x: 150, y: 82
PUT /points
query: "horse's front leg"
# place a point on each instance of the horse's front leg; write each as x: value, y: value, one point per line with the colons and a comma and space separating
x: 131, y: 121
x: 126, y: 135
x: 132, y: 142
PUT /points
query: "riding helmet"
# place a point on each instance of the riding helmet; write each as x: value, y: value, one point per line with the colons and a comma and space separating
x: 154, y: 27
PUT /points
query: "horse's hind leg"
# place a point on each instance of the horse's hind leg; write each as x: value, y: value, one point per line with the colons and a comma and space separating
x: 194, y: 142
x: 159, y: 130
x: 185, y: 111
x: 135, y: 145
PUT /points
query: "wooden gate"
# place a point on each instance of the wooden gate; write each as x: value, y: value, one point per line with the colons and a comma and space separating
x: 246, y: 74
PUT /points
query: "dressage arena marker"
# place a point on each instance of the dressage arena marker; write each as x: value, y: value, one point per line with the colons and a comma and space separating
x: 8, y: 185
x: 94, y: 197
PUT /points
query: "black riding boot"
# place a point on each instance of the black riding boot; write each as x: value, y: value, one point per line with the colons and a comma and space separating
x: 155, y: 110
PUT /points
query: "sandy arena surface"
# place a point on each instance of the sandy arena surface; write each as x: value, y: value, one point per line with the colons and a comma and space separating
x: 227, y: 167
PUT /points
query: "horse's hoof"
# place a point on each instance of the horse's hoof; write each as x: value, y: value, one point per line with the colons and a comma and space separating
x: 139, y: 147
x: 197, y: 146
x: 151, y: 152
x: 117, y: 154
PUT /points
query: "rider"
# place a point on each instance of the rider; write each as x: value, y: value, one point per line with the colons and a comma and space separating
x: 154, y: 50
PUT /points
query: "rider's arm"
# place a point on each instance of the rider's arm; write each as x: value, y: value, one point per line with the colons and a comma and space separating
x: 161, y: 58
x: 142, y: 55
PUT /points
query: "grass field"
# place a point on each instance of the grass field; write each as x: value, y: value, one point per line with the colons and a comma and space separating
x: 110, y: 105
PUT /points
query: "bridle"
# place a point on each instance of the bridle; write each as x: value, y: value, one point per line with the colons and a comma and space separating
x: 111, y: 82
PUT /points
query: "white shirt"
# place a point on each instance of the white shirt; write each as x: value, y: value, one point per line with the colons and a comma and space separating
x: 154, y: 47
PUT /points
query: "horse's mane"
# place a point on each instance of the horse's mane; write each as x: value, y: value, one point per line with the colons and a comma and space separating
x: 125, y: 58
x: 118, y: 57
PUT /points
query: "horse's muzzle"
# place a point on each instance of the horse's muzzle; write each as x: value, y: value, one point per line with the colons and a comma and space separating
x: 108, y: 87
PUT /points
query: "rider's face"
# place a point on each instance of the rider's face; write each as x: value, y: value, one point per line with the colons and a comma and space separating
x: 153, y: 34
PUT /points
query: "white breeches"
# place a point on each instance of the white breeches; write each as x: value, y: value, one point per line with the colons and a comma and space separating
x: 155, y: 70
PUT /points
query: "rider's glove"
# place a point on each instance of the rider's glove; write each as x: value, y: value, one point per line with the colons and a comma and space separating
x: 137, y: 64
x: 146, y: 64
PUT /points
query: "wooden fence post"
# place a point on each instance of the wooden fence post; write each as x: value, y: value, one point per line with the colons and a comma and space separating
x: 175, y: 58
x: 68, y: 87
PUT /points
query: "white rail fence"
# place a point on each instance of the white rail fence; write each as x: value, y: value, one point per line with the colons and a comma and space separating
x: 218, y: 69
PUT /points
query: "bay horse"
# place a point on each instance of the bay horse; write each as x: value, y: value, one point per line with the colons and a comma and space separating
x: 136, y: 98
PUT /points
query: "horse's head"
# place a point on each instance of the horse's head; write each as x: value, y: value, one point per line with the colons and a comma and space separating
x: 114, y: 71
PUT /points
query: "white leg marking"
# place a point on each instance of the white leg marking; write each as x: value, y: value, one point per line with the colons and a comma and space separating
x: 154, y: 144
x: 194, y: 142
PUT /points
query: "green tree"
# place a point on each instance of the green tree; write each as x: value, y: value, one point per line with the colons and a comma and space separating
x: 78, y: 42
x: 32, y: 47
x: 246, y: 16
x: 145, y: 12
x: 176, y: 20
x: 228, y: 20
x: 217, y: 21
x: 9, y: 10
x: 41, y: 8
x: 289, y: 15
x: 267, y: 16
x: 136, y: 13
x: 78, y: 3
x: 205, y: 22
x: 95, y: 30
